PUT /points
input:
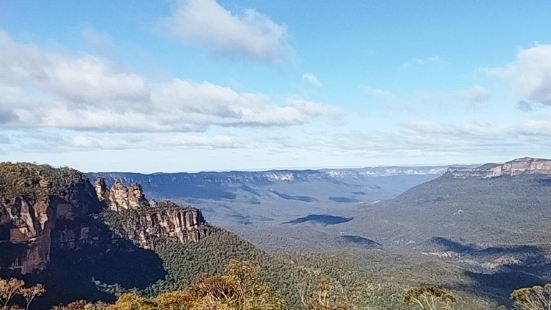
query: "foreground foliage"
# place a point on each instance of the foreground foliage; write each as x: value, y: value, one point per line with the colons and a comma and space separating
x: 328, y: 295
x: 429, y: 298
x: 15, y: 288
x: 240, y: 289
x: 532, y: 298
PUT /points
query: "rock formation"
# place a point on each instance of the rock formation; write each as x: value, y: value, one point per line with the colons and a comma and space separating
x: 120, y: 197
x: 101, y: 190
x: 159, y: 222
x: 148, y: 223
x: 521, y: 166
x: 43, y: 209
x: 32, y: 206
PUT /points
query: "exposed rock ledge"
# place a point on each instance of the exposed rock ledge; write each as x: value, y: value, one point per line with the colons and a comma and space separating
x: 158, y: 222
x: 515, y: 167
x: 147, y: 223
x: 34, y: 201
x: 43, y: 209
x: 120, y: 197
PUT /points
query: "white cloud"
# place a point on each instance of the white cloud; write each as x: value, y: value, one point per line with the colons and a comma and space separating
x: 529, y: 74
x: 205, y: 103
x: 82, y: 79
x: 424, y: 139
x: 475, y: 94
x: 536, y: 127
x: 207, y: 23
x: 149, y: 141
x: 311, y: 79
x: 45, y: 89
x: 381, y: 93
x: 194, y: 141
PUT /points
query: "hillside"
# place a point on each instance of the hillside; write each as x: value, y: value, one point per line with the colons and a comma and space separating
x: 85, y: 244
x: 474, y: 208
x: 494, y: 228
x: 479, y: 232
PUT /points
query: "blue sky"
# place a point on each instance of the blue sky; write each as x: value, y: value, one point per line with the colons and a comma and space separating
x: 204, y: 85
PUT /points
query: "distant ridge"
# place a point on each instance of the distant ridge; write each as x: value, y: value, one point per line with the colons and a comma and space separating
x: 519, y: 166
x: 294, y: 174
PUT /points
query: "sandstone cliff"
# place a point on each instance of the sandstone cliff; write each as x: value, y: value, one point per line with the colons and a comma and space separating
x: 120, y: 197
x: 33, y: 199
x: 43, y: 209
x: 147, y: 223
x: 150, y: 226
x: 521, y: 166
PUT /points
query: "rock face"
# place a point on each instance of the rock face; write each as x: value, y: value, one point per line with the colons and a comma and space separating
x: 101, y: 190
x: 515, y: 167
x: 43, y: 209
x: 148, y: 223
x: 522, y: 166
x: 162, y: 221
x: 30, y: 220
x: 120, y: 197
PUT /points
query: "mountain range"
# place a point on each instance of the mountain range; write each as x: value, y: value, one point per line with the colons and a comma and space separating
x: 479, y: 231
x: 491, y: 221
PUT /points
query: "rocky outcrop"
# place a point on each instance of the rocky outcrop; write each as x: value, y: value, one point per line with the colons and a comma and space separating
x: 120, y: 197
x: 43, y: 210
x: 29, y: 218
x: 146, y: 223
x: 148, y: 227
x: 521, y: 166
x: 101, y: 190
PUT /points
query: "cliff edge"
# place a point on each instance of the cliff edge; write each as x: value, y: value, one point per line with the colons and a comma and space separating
x: 43, y: 209
x: 520, y: 166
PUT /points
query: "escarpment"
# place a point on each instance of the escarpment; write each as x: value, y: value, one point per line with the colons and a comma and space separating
x: 520, y: 166
x: 147, y: 223
x: 44, y: 209
x: 41, y: 209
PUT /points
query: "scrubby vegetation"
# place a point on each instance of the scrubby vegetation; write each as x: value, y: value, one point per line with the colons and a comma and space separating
x: 15, y: 289
x: 241, y: 287
x: 429, y: 298
x: 35, y: 181
x: 532, y: 298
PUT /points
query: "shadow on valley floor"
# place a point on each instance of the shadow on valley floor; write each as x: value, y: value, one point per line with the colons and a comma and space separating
x: 297, y: 198
x: 361, y: 241
x: 497, y: 271
x: 97, y: 272
x: 344, y: 199
x: 324, y: 219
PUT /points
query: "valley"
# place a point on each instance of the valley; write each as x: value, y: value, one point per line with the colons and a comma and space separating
x: 479, y: 232
x: 258, y: 205
x: 480, y: 222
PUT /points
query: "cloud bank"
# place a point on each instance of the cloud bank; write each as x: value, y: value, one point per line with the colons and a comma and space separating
x: 44, y: 89
x: 529, y: 74
x: 206, y: 23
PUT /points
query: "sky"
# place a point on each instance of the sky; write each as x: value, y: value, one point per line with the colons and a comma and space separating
x: 207, y: 85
